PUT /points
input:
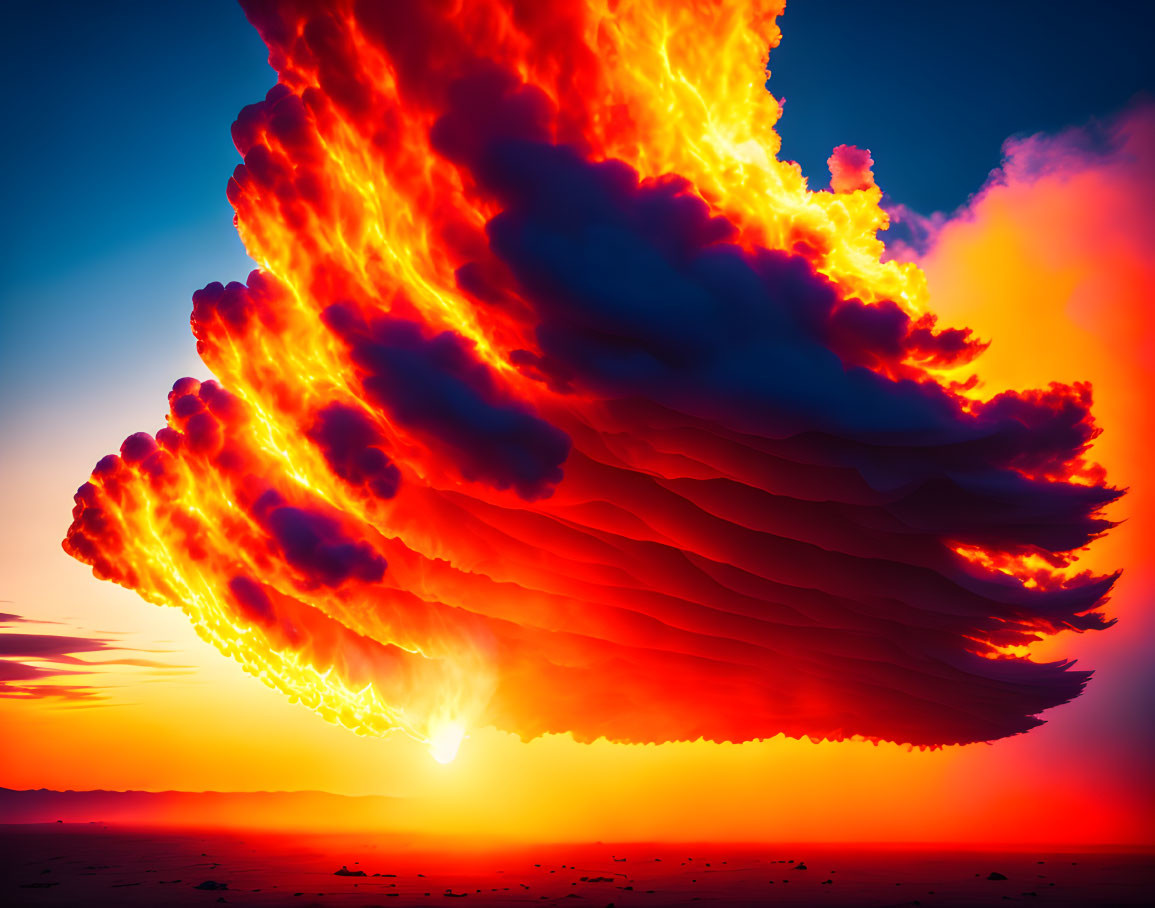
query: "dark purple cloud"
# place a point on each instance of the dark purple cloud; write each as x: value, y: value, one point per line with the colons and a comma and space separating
x: 59, y: 656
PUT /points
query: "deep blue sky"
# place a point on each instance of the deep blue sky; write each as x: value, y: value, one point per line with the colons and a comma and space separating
x: 113, y: 168
x: 119, y: 120
x: 934, y: 87
x: 117, y: 148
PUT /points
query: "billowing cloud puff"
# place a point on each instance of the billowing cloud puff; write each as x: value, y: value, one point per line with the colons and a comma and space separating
x: 529, y: 419
x: 850, y: 169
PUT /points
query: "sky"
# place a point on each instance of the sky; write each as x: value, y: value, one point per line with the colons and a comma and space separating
x: 115, y: 188
x: 933, y: 89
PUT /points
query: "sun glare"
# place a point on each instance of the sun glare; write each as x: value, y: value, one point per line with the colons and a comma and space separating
x: 445, y: 741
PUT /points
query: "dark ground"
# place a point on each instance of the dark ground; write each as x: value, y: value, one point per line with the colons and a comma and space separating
x: 98, y: 865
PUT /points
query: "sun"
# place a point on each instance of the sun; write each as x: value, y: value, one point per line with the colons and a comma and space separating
x: 445, y: 740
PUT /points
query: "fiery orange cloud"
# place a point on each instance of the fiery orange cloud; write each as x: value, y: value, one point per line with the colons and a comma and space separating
x: 1053, y: 259
x: 558, y: 403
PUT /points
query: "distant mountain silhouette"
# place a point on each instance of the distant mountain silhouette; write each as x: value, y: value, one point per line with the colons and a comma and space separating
x: 313, y: 810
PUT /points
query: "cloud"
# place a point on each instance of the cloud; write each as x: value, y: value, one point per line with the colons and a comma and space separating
x: 1054, y: 256
x: 1079, y: 173
x: 850, y: 169
x: 509, y: 432
x: 31, y: 664
x: 1054, y: 260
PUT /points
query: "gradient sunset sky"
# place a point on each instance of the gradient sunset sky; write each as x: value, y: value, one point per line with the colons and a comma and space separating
x: 114, y: 176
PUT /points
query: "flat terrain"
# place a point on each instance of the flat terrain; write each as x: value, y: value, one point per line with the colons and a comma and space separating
x: 97, y: 865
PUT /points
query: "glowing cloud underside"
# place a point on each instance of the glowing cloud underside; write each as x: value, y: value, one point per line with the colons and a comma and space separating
x: 558, y: 403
